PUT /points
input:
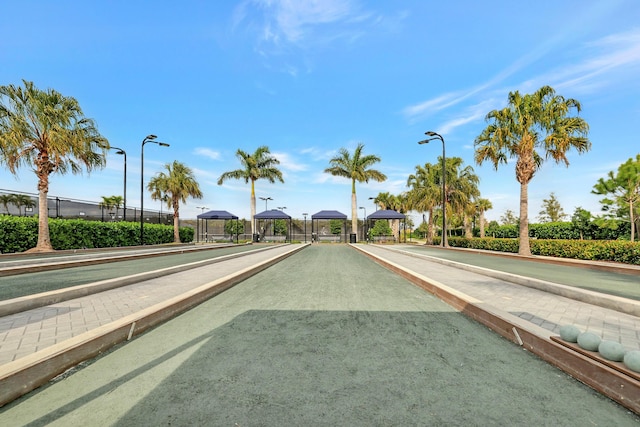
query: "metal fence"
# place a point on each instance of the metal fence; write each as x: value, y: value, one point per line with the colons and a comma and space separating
x: 65, y: 207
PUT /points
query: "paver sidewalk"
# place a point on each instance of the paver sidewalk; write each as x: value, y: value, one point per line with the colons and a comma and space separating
x: 543, y: 309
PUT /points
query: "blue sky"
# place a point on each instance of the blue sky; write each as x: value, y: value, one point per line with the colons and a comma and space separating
x: 306, y: 78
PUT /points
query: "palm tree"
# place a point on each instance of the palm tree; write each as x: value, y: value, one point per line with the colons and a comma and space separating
x: 21, y: 200
x: 6, y: 200
x: 425, y: 194
x: 482, y: 205
x: 178, y: 183
x: 49, y: 132
x: 534, y: 122
x: 259, y: 165
x: 355, y: 168
x: 461, y: 188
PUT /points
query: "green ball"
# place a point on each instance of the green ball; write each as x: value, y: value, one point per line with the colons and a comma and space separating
x: 569, y: 333
x: 589, y: 341
x: 632, y: 360
x: 611, y: 350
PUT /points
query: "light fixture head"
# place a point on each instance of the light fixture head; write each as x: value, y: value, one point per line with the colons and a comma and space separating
x: 163, y: 144
x: 152, y: 136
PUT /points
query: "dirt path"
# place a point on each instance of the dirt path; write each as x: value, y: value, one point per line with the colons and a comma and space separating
x: 326, y: 337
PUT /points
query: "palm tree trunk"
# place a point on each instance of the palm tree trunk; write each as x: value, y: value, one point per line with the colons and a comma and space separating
x: 633, y: 223
x: 44, y: 242
x: 354, y: 212
x: 482, y: 224
x: 430, y: 228
x: 253, y: 208
x: 524, y: 248
x: 176, y: 221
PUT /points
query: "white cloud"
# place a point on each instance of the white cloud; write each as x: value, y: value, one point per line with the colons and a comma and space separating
x: 289, y: 163
x: 207, y: 152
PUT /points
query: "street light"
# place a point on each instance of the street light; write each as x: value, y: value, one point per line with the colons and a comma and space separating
x: 364, y: 222
x: 374, y: 202
x: 432, y: 136
x: 305, y: 226
x: 123, y: 153
x: 202, y: 207
x: 265, y: 201
x: 148, y: 138
x: 282, y: 208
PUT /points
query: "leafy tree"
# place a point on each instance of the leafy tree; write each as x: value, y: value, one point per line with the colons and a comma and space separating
x: 355, y: 167
x: 509, y: 218
x: 280, y: 227
x: 532, y: 128
x: 380, y: 228
x: 48, y: 131
x: 259, y: 165
x: 482, y: 205
x: 335, y: 226
x: 624, y: 187
x: 178, y: 183
x: 551, y: 210
x: 234, y: 227
x: 581, y: 221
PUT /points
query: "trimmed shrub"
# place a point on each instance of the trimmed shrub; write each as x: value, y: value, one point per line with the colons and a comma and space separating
x: 17, y: 234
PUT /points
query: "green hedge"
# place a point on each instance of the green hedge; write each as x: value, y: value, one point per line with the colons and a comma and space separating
x: 593, y: 250
x: 17, y: 234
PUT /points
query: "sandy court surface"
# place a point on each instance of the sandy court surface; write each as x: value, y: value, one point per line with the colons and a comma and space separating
x: 326, y: 337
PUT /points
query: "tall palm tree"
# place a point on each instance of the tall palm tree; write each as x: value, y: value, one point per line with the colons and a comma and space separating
x: 482, y: 206
x: 355, y: 167
x: 48, y: 131
x: 259, y: 165
x: 178, y: 183
x: 532, y: 128
x: 425, y: 194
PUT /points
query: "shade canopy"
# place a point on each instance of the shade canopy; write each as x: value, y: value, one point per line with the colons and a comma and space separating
x: 217, y: 215
x: 386, y: 214
x: 329, y: 215
x: 272, y: 214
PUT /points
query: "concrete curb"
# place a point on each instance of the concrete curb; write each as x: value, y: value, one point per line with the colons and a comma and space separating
x: 25, y: 374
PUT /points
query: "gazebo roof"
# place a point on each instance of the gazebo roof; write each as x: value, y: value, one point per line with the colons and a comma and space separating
x: 272, y: 214
x: 386, y: 214
x: 329, y: 215
x: 217, y: 215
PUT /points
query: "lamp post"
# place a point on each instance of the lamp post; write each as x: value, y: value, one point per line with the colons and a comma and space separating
x: 148, y: 138
x: 374, y: 202
x: 123, y: 153
x: 432, y: 136
x: 203, y: 208
x: 305, y: 226
x: 364, y: 221
x: 266, y: 199
x: 282, y: 208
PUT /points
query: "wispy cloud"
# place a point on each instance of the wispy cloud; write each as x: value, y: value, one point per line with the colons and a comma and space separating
x: 604, y: 62
x: 284, y: 24
x: 289, y: 163
x: 207, y: 152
